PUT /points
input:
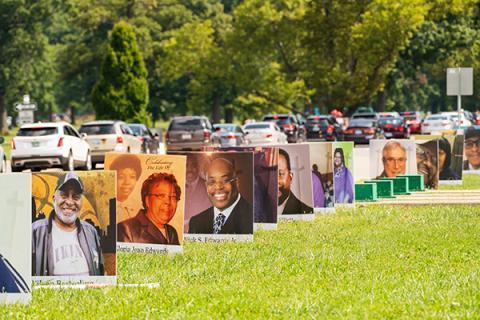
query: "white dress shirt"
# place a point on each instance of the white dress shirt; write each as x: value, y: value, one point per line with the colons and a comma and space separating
x: 226, y: 212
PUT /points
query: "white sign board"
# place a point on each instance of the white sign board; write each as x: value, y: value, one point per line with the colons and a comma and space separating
x: 460, y: 81
x: 25, y: 116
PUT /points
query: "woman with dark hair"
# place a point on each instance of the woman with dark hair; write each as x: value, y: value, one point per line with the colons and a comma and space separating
x: 342, y: 178
x: 129, y: 170
x: 444, y: 159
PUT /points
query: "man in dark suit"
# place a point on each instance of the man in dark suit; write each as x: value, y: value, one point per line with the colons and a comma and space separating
x: 160, y: 194
x: 287, y: 202
x: 230, y: 213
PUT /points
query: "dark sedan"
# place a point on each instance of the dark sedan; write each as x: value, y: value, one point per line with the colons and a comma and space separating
x: 362, y: 131
x: 229, y: 134
x: 324, y: 127
x: 394, y: 128
x: 149, y: 143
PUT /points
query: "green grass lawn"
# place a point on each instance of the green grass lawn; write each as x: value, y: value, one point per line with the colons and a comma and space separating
x: 469, y: 181
x: 372, y: 262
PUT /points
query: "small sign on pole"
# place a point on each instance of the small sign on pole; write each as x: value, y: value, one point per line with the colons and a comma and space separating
x: 25, y: 110
x: 459, y: 83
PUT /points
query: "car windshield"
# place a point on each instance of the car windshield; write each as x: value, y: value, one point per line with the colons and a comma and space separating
x: 36, y: 132
x: 437, y: 118
x: 257, y: 126
x: 97, y: 129
x: 361, y: 123
x: 224, y: 127
x: 365, y: 116
x: 279, y: 119
x: 320, y: 121
x: 182, y: 124
x: 138, y: 130
x: 395, y: 121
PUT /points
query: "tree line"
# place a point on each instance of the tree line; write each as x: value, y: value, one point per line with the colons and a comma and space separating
x: 144, y: 60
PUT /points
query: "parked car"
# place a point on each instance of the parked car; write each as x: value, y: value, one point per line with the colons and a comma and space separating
x: 230, y: 135
x: 324, y: 127
x: 264, y: 133
x: 465, y: 119
x: 389, y: 114
x: 289, y: 124
x: 109, y: 135
x: 149, y: 143
x: 366, y: 115
x: 50, y: 144
x: 365, y: 109
x: 363, y: 130
x: 3, y: 165
x: 394, y: 128
x: 413, y: 119
x: 190, y: 133
x: 437, y: 122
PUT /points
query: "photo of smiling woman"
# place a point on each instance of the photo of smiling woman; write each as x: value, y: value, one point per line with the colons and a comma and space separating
x: 129, y: 170
x: 160, y: 195
x: 342, y: 178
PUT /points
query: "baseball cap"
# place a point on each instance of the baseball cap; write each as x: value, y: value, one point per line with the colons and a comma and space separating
x: 69, y: 177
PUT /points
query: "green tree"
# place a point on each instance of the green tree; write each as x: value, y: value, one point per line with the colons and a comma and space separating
x: 449, y: 38
x: 121, y: 91
x: 26, y: 58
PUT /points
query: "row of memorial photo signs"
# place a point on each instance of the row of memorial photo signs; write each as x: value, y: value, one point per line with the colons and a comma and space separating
x: 438, y: 158
x: 66, y: 227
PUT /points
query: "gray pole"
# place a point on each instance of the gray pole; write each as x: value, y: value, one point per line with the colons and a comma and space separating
x: 459, y: 97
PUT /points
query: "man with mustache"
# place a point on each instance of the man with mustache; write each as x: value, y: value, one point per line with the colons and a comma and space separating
x: 62, y: 244
x: 288, y: 203
x: 230, y: 213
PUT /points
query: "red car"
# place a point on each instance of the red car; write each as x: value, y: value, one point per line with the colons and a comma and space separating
x: 394, y: 128
x: 413, y: 120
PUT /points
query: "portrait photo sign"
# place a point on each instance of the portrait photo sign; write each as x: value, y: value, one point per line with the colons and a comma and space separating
x: 150, y: 201
x: 295, y: 196
x: 219, y: 196
x: 15, y: 238
x: 343, y: 181
x: 265, y: 185
x: 74, y: 227
x: 321, y: 159
x: 391, y: 158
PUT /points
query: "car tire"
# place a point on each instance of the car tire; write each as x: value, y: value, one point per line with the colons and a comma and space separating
x: 88, y: 163
x: 69, y: 165
x: 17, y: 169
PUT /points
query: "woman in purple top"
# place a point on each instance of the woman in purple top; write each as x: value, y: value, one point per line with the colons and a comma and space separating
x: 318, y: 191
x: 342, y: 178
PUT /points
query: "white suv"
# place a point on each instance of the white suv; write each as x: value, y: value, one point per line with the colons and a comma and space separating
x: 46, y: 145
x: 106, y: 135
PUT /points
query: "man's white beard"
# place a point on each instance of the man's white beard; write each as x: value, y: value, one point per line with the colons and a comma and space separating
x: 65, y: 219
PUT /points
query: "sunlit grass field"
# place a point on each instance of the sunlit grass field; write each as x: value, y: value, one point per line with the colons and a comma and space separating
x: 372, y: 262
x: 369, y: 262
